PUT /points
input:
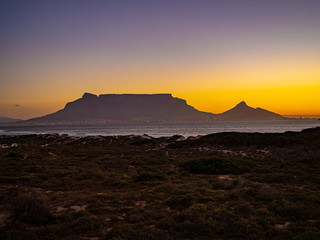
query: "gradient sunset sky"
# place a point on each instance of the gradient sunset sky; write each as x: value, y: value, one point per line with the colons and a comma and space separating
x: 212, y: 53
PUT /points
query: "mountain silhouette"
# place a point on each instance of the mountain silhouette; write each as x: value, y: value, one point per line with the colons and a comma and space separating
x: 113, y: 108
x: 4, y: 119
x: 126, y: 108
x: 242, y: 112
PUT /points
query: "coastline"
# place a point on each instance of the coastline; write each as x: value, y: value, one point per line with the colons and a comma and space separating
x: 162, y: 129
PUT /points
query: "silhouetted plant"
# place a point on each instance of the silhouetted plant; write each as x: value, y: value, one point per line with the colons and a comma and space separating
x: 30, y: 208
x: 14, y: 156
x: 218, y: 166
x: 149, y: 176
x: 308, y: 235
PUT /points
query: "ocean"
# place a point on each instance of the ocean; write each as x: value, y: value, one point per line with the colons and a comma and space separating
x: 164, y: 129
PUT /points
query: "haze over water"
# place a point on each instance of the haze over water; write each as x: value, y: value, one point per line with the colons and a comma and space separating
x: 164, y: 129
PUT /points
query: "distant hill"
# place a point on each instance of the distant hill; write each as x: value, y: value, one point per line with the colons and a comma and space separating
x: 242, y: 112
x: 113, y: 108
x: 8, y: 120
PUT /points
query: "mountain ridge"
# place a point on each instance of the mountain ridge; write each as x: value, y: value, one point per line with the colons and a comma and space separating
x: 161, y: 107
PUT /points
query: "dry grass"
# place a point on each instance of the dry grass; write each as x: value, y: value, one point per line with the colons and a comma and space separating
x: 130, y: 187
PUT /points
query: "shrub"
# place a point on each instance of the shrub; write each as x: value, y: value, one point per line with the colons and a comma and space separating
x: 14, y: 156
x: 85, y: 224
x: 309, y: 235
x: 218, y: 166
x: 31, y: 209
x: 140, y: 142
x: 181, y: 202
x: 149, y: 176
x: 131, y: 232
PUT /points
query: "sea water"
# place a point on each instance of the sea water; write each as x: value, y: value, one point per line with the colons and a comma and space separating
x: 164, y: 129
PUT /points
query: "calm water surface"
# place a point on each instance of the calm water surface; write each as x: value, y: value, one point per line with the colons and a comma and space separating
x: 164, y: 129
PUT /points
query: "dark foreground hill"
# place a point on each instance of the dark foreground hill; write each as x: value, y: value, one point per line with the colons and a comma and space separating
x: 108, y: 108
x: 220, y: 186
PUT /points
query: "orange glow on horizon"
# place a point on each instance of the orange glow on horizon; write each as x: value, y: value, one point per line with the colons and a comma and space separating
x: 287, y: 87
x: 285, y: 101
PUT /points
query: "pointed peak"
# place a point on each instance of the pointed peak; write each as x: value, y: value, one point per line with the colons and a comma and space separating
x: 89, y: 95
x: 243, y: 103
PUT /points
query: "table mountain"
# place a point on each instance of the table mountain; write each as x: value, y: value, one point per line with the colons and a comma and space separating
x: 112, y: 108
x: 126, y: 108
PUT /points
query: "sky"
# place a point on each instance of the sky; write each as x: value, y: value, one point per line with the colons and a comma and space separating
x: 212, y: 53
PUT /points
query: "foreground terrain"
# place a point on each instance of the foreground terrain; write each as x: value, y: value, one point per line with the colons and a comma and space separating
x: 220, y: 186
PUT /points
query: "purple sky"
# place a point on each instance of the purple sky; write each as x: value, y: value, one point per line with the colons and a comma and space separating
x: 119, y: 42
x: 64, y: 24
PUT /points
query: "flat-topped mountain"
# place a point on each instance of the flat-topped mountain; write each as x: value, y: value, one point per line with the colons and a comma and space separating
x: 126, y: 108
x: 112, y: 108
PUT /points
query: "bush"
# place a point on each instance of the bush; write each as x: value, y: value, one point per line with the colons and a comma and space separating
x: 149, y: 176
x: 31, y: 209
x: 132, y: 232
x: 85, y: 224
x: 218, y: 166
x: 181, y: 202
x: 309, y: 235
x: 14, y: 156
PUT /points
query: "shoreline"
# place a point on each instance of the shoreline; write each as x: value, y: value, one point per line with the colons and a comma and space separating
x: 144, y: 135
x: 26, y: 124
x: 159, y: 130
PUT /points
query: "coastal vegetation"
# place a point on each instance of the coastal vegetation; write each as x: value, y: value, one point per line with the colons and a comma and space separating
x: 220, y: 186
